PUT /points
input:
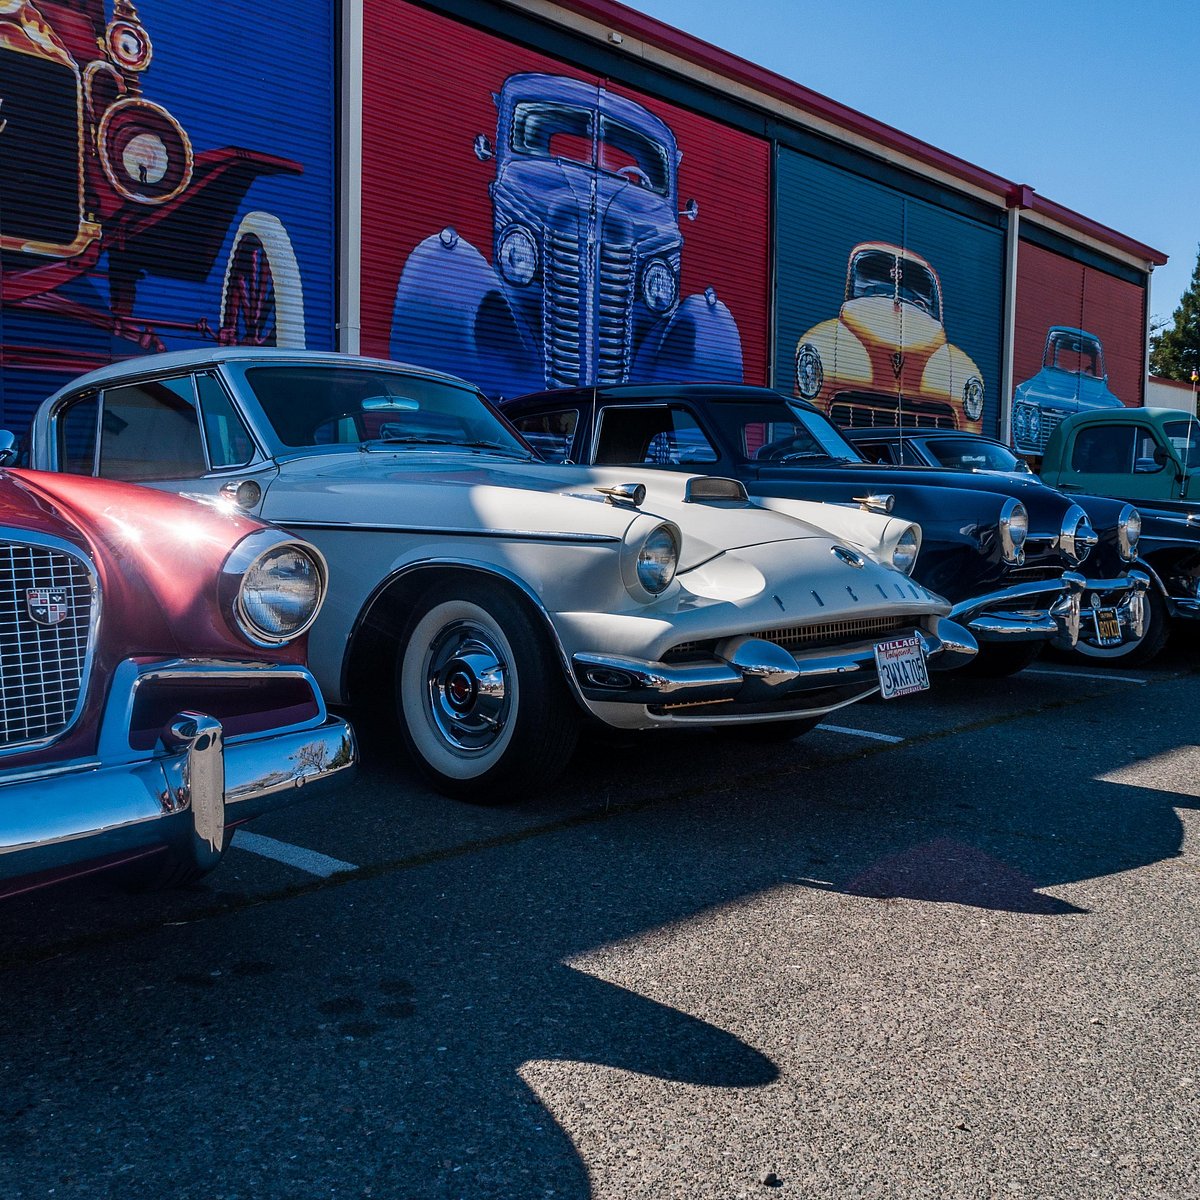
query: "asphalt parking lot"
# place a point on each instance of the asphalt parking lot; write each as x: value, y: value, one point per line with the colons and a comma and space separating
x: 946, y: 949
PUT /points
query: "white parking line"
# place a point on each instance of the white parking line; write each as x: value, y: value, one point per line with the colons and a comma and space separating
x: 867, y: 733
x: 294, y: 856
x: 1083, y: 675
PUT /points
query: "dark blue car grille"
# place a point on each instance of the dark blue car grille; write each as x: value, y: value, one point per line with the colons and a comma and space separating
x: 42, y: 666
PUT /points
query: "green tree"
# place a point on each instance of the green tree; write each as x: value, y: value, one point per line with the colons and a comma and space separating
x: 1175, y: 350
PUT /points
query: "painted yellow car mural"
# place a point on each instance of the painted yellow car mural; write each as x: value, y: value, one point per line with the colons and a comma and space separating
x: 884, y: 359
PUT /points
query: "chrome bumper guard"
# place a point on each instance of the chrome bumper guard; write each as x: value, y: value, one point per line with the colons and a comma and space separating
x: 1054, y: 610
x: 754, y: 670
x: 53, y: 818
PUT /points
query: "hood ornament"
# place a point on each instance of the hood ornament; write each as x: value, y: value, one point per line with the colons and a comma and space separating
x: 876, y: 502
x: 625, y: 493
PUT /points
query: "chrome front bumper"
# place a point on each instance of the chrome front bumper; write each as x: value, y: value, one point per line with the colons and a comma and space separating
x: 753, y: 670
x: 54, y: 820
x: 1052, y: 609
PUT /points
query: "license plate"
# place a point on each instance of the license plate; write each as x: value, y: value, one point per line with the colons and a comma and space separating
x: 1108, y: 628
x: 901, y: 666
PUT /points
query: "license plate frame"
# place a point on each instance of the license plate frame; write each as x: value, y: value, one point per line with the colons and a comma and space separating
x: 900, y: 664
x: 1107, y: 625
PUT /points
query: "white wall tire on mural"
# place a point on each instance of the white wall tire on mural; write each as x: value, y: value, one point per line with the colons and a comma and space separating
x: 262, y: 300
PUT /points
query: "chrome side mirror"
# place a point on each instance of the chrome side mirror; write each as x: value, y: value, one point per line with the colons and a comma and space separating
x: 9, y: 451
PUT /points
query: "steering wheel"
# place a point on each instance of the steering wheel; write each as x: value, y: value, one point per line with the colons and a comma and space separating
x: 635, y: 175
x: 775, y: 450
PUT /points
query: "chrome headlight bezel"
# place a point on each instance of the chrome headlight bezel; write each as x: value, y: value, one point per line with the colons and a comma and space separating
x: 517, y: 255
x: 660, y: 288
x: 906, y: 549
x: 1129, y: 532
x: 253, y: 555
x: 973, y: 398
x: 657, y: 558
x: 810, y: 372
x: 1076, y: 536
x: 1013, y: 529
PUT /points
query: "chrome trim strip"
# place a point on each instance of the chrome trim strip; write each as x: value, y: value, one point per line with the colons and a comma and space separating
x: 522, y: 535
x: 24, y: 537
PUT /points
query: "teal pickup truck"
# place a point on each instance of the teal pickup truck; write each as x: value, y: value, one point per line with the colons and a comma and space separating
x: 1151, y: 457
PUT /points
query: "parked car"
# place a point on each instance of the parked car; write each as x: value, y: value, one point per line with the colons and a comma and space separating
x: 1151, y: 457
x: 154, y: 692
x: 585, y: 282
x: 489, y: 599
x: 95, y: 178
x: 1006, y: 550
x: 885, y: 357
x: 973, y: 452
x: 1072, y: 379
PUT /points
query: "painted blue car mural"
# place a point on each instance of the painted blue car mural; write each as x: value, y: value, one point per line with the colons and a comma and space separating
x: 1072, y: 379
x: 584, y: 284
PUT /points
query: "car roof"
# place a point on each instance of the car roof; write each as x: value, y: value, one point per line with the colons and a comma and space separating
x: 211, y: 356
x: 1131, y: 415
x: 891, y: 433
x: 647, y: 393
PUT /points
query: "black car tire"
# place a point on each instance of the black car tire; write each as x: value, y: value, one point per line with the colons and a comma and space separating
x: 479, y: 694
x: 1128, y: 654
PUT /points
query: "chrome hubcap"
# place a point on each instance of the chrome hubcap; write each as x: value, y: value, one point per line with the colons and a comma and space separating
x: 466, y: 678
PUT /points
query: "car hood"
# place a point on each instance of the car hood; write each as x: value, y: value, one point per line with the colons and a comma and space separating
x: 424, y: 492
x: 28, y: 510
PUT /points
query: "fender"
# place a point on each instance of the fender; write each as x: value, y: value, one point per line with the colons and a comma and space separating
x: 452, y: 312
x: 699, y: 340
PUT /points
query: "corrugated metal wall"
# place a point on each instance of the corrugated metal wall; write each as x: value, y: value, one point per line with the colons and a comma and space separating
x: 522, y: 218
x: 888, y: 306
x: 162, y: 183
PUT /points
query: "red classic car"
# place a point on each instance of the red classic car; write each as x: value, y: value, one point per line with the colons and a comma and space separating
x: 153, y: 687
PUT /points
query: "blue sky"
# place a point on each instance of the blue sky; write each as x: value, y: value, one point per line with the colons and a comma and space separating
x: 1096, y: 105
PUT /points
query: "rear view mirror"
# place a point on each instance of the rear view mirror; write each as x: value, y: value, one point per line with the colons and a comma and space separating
x: 9, y: 452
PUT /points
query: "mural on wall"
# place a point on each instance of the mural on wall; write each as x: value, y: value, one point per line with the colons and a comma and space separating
x: 890, y: 307
x: 884, y: 359
x: 600, y: 237
x: 1078, y: 345
x: 119, y: 234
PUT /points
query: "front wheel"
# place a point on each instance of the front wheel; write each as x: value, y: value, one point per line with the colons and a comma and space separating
x: 1157, y: 628
x: 480, y: 696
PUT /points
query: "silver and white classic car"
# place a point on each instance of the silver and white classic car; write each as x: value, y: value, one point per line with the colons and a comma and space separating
x: 490, y: 600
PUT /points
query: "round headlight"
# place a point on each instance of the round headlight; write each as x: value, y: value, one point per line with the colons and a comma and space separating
x: 518, y: 255
x: 657, y: 560
x: 273, y: 595
x: 1020, y: 423
x: 973, y: 398
x: 1076, y: 537
x: 658, y: 285
x: 1014, y: 529
x: 144, y: 151
x: 128, y: 45
x: 1129, y: 530
x: 1035, y: 425
x: 904, y: 556
x: 810, y: 375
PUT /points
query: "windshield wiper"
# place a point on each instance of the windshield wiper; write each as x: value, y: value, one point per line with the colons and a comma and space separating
x: 458, y: 443
x: 798, y: 455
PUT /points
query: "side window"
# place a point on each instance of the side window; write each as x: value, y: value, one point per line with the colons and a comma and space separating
x: 550, y: 434
x: 664, y: 437
x: 76, y: 432
x: 876, y: 452
x: 151, y: 431
x: 1104, y: 450
x: 229, y: 441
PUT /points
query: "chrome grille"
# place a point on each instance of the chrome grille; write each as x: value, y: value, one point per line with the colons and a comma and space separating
x: 42, y: 666
x: 806, y: 637
x: 866, y: 410
x: 1051, y: 420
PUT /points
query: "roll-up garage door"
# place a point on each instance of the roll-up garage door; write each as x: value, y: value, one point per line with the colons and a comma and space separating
x: 888, y: 306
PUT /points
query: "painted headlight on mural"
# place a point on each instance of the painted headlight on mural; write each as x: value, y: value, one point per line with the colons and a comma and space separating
x: 144, y: 151
x: 810, y: 374
x: 973, y: 398
x: 518, y: 255
x: 128, y: 45
x: 1014, y: 529
x: 657, y: 559
x: 1129, y: 531
x: 272, y: 587
x: 658, y: 285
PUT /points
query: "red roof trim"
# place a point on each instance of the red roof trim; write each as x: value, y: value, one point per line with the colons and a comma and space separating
x: 704, y: 54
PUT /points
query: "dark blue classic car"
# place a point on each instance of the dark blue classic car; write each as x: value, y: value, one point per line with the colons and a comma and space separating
x: 584, y: 284
x: 1169, y: 549
x: 1006, y: 550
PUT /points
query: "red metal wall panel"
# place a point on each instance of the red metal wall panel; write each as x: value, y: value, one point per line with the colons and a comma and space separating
x: 585, y: 171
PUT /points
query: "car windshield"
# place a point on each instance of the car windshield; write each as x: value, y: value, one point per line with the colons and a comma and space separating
x: 972, y: 454
x: 783, y: 432
x: 1072, y: 352
x: 566, y: 131
x: 1185, y: 437
x: 322, y: 404
x: 880, y: 273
